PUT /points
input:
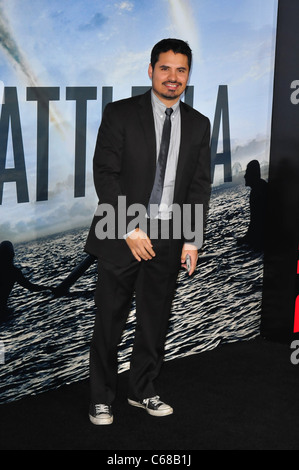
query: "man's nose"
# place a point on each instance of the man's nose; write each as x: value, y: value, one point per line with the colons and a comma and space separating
x: 172, y: 75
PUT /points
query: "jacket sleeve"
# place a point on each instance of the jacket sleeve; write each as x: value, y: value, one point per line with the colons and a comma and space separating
x: 200, y: 189
x: 108, y: 166
x: 107, y: 157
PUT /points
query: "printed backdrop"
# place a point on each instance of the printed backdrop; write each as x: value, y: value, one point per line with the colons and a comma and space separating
x: 60, y: 63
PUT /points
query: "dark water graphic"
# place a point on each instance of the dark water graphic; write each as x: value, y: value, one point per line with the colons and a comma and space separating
x: 45, y: 340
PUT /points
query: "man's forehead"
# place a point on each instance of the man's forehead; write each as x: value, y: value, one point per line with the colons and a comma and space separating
x: 170, y: 57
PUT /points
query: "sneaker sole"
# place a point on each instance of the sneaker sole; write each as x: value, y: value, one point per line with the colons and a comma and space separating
x: 166, y: 412
x: 101, y: 421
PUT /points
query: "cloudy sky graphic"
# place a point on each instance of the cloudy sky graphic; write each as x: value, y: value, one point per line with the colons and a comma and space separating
x: 63, y: 43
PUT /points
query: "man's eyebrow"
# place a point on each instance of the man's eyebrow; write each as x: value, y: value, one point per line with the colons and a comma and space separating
x: 168, y: 66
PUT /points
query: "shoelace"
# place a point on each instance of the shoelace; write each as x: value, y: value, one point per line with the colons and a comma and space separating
x: 102, y: 409
x: 154, y: 400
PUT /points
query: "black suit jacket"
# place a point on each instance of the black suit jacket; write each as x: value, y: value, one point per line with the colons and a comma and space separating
x: 125, y: 161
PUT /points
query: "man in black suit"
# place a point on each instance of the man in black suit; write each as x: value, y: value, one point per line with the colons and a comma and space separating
x: 144, y: 255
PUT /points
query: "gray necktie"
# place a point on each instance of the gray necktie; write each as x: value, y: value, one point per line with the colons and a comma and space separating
x: 157, y: 190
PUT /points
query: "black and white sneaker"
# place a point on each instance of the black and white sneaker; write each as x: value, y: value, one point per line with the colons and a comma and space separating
x: 154, y: 406
x: 100, y: 414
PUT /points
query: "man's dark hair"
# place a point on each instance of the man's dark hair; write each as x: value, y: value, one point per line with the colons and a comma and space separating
x: 176, y: 45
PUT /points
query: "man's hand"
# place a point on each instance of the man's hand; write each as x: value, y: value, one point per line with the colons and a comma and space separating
x: 140, y: 245
x: 192, y: 251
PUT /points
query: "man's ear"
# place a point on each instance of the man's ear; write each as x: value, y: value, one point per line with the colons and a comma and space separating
x: 150, y: 71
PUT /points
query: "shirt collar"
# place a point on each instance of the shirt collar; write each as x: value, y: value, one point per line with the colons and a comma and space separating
x: 160, y: 107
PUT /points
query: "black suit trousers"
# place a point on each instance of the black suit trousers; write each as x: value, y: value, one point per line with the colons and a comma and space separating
x: 154, y: 285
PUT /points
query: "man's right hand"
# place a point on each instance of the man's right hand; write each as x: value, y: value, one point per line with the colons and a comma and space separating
x: 140, y: 245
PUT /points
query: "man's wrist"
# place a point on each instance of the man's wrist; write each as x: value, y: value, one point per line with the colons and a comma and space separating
x: 126, y: 235
x: 190, y: 246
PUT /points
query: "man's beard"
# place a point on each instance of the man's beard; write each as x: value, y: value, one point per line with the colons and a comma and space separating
x: 171, y: 94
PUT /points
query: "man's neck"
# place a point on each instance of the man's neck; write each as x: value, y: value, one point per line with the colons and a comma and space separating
x: 169, y: 103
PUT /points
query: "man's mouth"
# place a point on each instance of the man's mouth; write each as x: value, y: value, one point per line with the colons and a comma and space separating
x: 172, y: 86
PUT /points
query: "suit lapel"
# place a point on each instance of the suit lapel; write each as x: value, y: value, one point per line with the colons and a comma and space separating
x: 148, y: 125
